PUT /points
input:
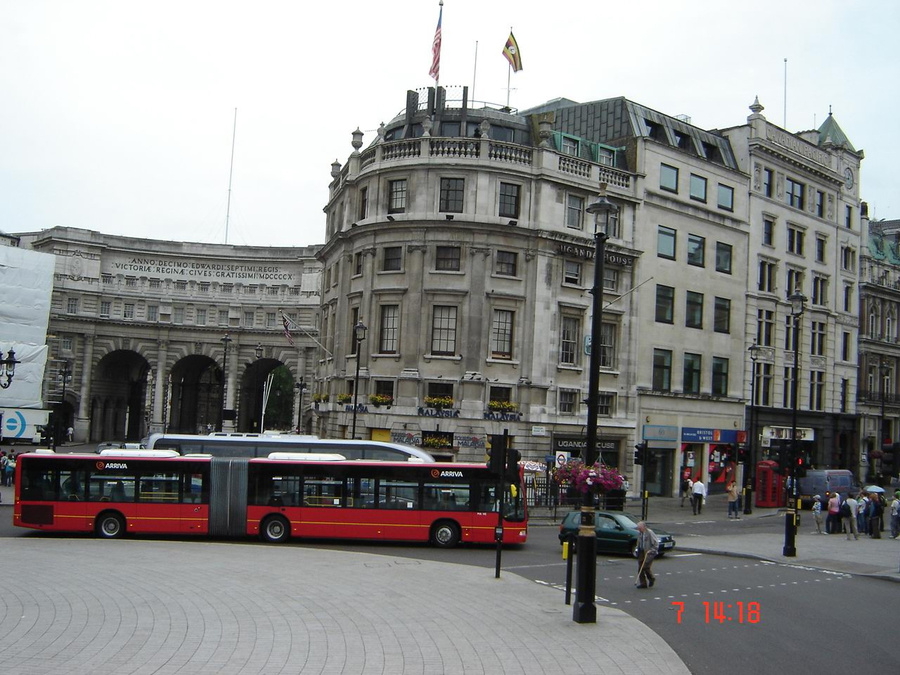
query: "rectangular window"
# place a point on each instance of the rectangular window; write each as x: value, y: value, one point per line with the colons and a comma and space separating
x: 182, y: 286
x: 845, y: 346
x: 719, y: 376
x: 764, y: 380
x: 665, y: 243
x: 795, y: 240
x: 397, y: 196
x: 768, y: 182
x: 570, y: 339
x: 569, y: 146
x: 610, y: 280
x: 507, y: 263
x: 452, y: 191
x: 270, y: 320
x: 201, y: 317
x: 820, y: 203
x: 608, y: 345
x: 848, y: 259
x: 698, y: 188
x: 819, y: 291
x: 388, y: 338
x: 606, y: 404
x: 357, y: 264
x: 794, y: 282
x: 821, y: 243
x: 72, y: 306
x: 722, y: 318
x: 662, y: 370
x: 178, y: 315
x: 765, y: 327
x: 568, y: 401
x: 572, y: 272
x: 248, y: 319
x: 696, y: 250
x: 155, y: 283
x: 107, y: 279
x: 816, y: 390
x: 817, y: 338
x: 223, y: 317
x: 790, y: 332
x: 363, y: 204
x: 393, y: 259
x: 793, y: 193
x: 443, y: 330
x: 502, y: 334
x: 692, y: 366
x: 848, y: 217
x: 848, y: 297
x: 574, y: 212
x: 447, y: 258
x: 693, y: 313
x: 668, y: 178
x: 726, y: 197
x: 152, y: 313
x: 130, y: 282
x: 768, y: 232
x: 767, y: 271
x: 787, y: 397
x: 723, y: 257
x: 665, y: 304
x: 66, y: 343
x: 105, y: 307
x: 509, y: 200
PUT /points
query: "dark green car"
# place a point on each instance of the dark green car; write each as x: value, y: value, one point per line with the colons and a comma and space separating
x: 616, y: 532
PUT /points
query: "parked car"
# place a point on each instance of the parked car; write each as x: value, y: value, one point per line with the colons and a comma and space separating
x: 616, y: 532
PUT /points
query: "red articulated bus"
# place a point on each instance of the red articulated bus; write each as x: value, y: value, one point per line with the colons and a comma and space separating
x: 276, y: 498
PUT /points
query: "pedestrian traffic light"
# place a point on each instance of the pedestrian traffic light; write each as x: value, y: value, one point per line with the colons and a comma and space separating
x: 743, y: 456
x: 640, y: 452
x: 801, y: 465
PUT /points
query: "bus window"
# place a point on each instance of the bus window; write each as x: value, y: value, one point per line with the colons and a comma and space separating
x: 107, y: 487
x: 159, y: 487
x: 195, y: 489
x: 447, y: 497
x: 323, y: 491
x: 71, y: 485
x: 395, y: 494
x: 38, y: 484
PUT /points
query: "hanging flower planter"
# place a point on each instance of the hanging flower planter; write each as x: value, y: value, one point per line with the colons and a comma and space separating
x: 344, y: 398
x: 438, y: 402
x: 379, y: 400
x: 436, y: 442
x: 501, y: 406
x: 597, y: 479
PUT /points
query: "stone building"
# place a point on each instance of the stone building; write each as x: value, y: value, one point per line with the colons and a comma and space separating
x: 142, y: 331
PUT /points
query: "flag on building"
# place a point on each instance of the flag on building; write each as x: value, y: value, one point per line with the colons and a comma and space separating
x: 287, y: 330
x: 511, y: 52
x: 435, y: 71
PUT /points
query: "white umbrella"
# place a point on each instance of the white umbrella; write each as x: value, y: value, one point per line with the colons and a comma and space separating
x: 873, y: 488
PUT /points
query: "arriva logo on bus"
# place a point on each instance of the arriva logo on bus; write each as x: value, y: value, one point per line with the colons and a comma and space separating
x: 435, y: 473
x: 111, y: 465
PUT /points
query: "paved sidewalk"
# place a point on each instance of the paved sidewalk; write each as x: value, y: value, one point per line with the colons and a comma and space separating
x: 87, y: 606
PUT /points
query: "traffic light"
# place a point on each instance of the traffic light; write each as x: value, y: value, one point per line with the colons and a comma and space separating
x: 495, y: 457
x: 640, y: 452
x: 512, y: 464
x: 743, y: 456
x: 801, y: 463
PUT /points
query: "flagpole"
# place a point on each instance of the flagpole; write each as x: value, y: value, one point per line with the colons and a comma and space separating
x: 508, y: 83
x: 474, y: 70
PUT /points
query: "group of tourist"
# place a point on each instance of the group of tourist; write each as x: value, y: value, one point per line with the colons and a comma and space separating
x: 855, y: 516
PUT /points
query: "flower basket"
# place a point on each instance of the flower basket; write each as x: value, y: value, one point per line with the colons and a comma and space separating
x: 320, y: 398
x: 435, y: 442
x: 597, y: 479
x: 378, y: 400
x: 501, y: 406
x: 344, y: 398
x: 438, y: 401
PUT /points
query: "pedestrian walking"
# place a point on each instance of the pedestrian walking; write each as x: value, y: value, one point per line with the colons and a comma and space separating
x: 848, y: 515
x: 698, y: 494
x: 647, y: 549
x: 862, y: 523
x: 876, y: 511
x: 895, y: 515
x: 817, y: 513
x: 685, y: 489
x: 70, y: 434
x: 733, y: 494
x: 833, y: 519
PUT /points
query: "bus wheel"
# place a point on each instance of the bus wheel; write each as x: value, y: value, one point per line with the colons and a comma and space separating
x: 110, y: 526
x: 445, y: 534
x: 275, y: 530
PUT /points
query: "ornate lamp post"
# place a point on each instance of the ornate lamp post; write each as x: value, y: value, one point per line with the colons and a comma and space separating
x: 225, y: 339
x: 359, y: 334
x: 7, y: 368
x: 584, y: 609
x: 301, y: 387
x: 885, y: 371
x: 798, y: 302
x: 261, y: 412
x: 751, y: 441
x: 65, y: 374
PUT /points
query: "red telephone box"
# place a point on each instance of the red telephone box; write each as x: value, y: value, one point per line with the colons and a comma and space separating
x: 769, y: 486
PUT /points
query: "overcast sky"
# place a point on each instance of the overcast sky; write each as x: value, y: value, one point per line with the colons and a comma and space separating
x: 117, y: 116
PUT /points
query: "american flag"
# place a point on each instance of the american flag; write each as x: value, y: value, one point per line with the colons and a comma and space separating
x: 435, y: 71
x: 287, y: 330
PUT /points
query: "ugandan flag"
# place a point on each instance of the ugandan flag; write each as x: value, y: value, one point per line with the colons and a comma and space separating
x: 511, y: 52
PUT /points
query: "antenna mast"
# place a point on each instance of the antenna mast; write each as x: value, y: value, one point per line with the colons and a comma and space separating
x: 230, y: 173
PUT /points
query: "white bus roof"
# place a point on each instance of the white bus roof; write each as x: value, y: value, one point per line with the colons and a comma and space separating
x: 308, y: 456
x: 143, y: 452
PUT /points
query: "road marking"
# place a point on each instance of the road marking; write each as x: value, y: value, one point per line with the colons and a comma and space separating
x: 684, y: 555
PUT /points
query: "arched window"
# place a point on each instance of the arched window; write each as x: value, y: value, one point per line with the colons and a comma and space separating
x: 873, y: 324
x: 889, y: 327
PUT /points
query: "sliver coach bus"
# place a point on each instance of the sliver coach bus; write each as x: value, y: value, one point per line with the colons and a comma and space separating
x: 274, y: 498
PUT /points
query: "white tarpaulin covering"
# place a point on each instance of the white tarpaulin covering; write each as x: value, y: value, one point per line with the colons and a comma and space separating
x: 26, y: 285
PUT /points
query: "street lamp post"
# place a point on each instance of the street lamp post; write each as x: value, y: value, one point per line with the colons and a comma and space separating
x: 359, y: 334
x: 301, y: 387
x: 64, y: 374
x: 7, y: 368
x: 885, y: 369
x: 225, y: 340
x: 259, y: 392
x: 751, y: 445
x: 584, y: 609
x: 798, y: 301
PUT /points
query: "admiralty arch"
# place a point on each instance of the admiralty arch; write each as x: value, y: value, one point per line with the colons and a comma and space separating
x: 149, y: 335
